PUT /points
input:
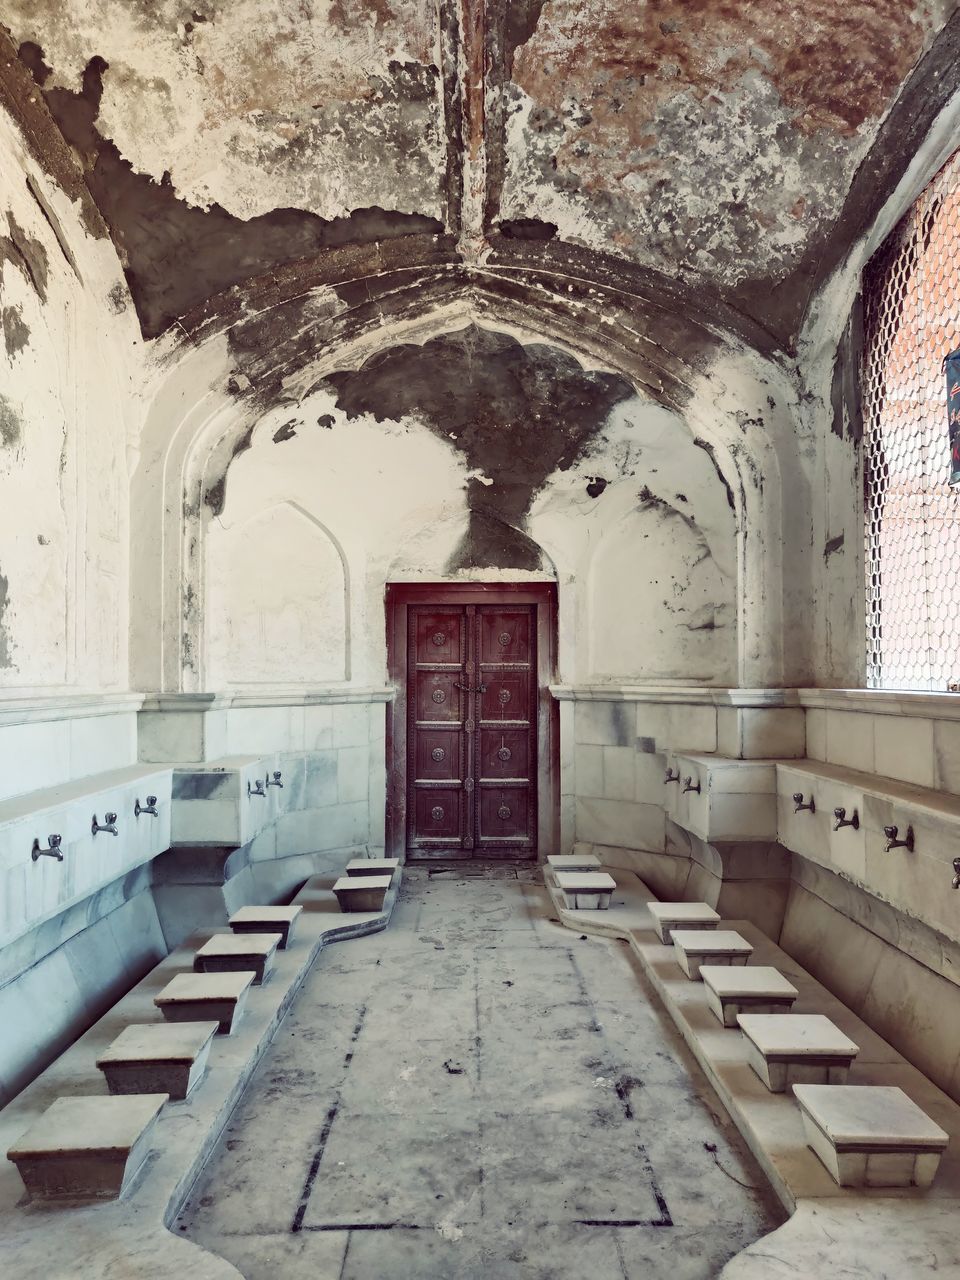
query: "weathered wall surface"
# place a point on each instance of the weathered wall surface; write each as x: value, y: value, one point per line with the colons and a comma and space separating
x: 67, y: 417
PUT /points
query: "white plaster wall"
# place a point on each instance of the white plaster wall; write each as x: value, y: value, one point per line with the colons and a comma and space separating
x: 69, y: 407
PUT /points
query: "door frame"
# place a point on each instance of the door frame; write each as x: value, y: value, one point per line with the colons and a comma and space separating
x: 543, y: 596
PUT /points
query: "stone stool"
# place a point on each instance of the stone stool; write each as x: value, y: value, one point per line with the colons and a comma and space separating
x: 158, y: 1057
x: 362, y: 893
x: 371, y: 866
x: 668, y: 916
x: 282, y: 920
x: 238, y: 953
x: 573, y: 862
x: 86, y: 1148
x: 871, y: 1135
x: 796, y: 1048
x: 694, y: 947
x: 586, y: 890
x: 203, y: 997
x: 746, y: 989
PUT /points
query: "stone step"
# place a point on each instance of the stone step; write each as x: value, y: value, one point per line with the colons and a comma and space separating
x: 734, y: 989
x: 158, y: 1057
x: 796, y: 1048
x: 586, y: 890
x: 281, y: 920
x: 668, y: 916
x: 361, y: 893
x: 574, y: 862
x: 695, y: 947
x: 871, y: 1135
x: 202, y: 997
x: 371, y: 866
x: 238, y: 953
x: 86, y: 1148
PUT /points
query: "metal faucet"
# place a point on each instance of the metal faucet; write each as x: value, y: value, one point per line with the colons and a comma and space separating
x: 688, y: 785
x: 799, y: 806
x: 894, y: 843
x: 670, y: 776
x: 52, y: 851
x: 956, y: 878
x: 275, y: 781
x: 257, y: 790
x: 843, y: 821
x: 150, y: 807
x: 110, y: 824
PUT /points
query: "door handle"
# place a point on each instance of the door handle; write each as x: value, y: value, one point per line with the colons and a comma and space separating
x: 481, y: 688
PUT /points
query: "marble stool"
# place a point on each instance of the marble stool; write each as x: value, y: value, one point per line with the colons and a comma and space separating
x: 695, y: 947
x: 361, y: 893
x: 668, y: 916
x: 371, y: 866
x: 796, y: 1048
x: 158, y: 1057
x: 746, y: 989
x: 573, y: 862
x: 86, y: 1148
x: 238, y: 953
x: 203, y: 997
x: 281, y: 920
x: 586, y: 890
x: 871, y: 1135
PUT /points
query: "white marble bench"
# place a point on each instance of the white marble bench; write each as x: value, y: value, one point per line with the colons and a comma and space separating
x: 586, y: 889
x: 158, y: 1057
x: 361, y: 893
x: 371, y: 866
x: 668, y: 916
x: 746, y: 989
x: 206, y: 997
x: 279, y: 920
x: 573, y: 862
x: 871, y: 1135
x: 238, y: 953
x: 696, y: 947
x: 86, y: 1148
x: 796, y: 1048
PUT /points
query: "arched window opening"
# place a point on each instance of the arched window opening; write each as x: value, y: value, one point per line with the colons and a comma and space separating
x: 912, y: 516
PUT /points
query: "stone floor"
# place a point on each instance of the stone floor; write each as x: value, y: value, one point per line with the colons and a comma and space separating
x: 478, y: 1092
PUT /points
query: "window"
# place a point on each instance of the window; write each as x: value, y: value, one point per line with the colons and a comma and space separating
x: 912, y: 517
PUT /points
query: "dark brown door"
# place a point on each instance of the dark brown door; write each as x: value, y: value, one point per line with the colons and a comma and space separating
x: 472, y: 730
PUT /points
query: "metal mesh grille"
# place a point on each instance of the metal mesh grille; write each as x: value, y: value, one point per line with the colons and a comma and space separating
x: 912, y: 517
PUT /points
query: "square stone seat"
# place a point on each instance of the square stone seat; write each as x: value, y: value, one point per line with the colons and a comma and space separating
x: 586, y: 890
x: 746, y: 989
x: 695, y: 947
x: 158, y: 1057
x: 281, y: 920
x: 796, y: 1048
x: 668, y: 916
x: 371, y: 866
x: 238, y: 953
x: 206, y: 997
x: 86, y: 1148
x: 573, y: 862
x: 871, y: 1135
x: 361, y: 893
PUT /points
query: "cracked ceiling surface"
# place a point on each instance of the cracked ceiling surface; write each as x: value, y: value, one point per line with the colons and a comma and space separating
x: 714, y: 155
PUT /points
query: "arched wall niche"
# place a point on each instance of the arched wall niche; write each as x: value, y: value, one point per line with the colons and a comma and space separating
x: 219, y: 426
x: 277, y: 597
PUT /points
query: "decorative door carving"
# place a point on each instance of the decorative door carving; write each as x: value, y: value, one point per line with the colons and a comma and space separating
x: 472, y: 729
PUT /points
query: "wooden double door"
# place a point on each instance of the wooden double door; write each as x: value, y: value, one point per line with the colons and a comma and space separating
x: 471, y: 733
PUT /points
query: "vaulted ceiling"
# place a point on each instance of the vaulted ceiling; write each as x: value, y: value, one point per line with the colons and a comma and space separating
x: 710, y: 156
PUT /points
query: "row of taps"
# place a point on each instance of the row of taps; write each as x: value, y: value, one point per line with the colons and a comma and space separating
x: 840, y: 820
x: 275, y: 781
x: 670, y: 776
x: 109, y: 825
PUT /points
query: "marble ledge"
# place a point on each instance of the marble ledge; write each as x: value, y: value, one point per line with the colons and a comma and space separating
x: 280, y: 697
x: 882, y: 702
x: 18, y: 708
x: 690, y: 694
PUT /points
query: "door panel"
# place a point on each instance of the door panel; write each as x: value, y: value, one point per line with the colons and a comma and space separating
x: 471, y: 729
